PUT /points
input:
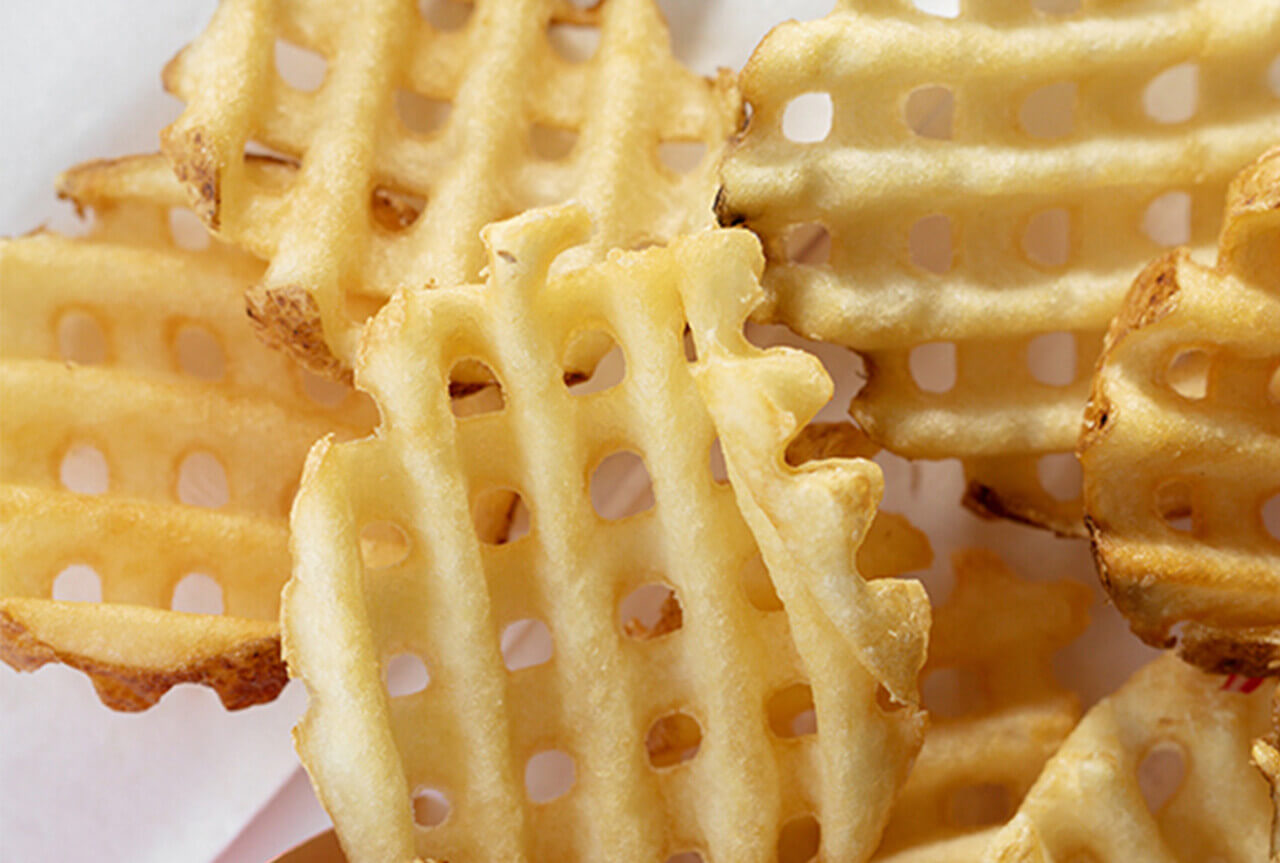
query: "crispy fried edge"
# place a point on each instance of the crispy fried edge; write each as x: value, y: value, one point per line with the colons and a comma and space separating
x: 1252, y: 651
x: 252, y: 672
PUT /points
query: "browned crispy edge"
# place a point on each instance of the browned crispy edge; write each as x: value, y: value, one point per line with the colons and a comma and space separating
x: 288, y: 319
x: 90, y: 183
x: 1152, y: 297
x: 285, y: 318
x: 987, y: 502
x: 1252, y: 651
x: 248, y: 674
x: 1255, y: 191
x: 81, y: 184
x: 197, y: 167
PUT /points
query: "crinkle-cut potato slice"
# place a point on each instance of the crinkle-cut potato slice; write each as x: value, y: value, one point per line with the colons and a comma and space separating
x: 416, y: 137
x: 986, y: 188
x: 1157, y: 771
x: 146, y: 434
x: 996, y: 712
x: 732, y: 680
x: 1181, y: 444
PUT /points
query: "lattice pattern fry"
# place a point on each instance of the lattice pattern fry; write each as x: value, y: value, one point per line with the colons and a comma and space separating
x: 992, y: 183
x: 1188, y: 389
x: 996, y: 712
x: 124, y: 351
x: 1159, y: 770
x: 383, y: 199
x: 741, y: 676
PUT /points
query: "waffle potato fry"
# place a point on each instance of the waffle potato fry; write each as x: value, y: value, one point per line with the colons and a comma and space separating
x: 996, y: 712
x: 1181, y: 443
x: 1159, y: 771
x: 386, y: 193
x: 724, y: 680
x: 131, y: 354
x: 893, y: 545
x: 991, y: 183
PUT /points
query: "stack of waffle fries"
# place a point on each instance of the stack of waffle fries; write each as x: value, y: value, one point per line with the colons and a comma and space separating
x: 452, y: 341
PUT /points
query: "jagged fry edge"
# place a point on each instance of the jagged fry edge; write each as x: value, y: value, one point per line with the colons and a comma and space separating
x: 809, y: 523
x: 810, y: 520
x: 238, y: 659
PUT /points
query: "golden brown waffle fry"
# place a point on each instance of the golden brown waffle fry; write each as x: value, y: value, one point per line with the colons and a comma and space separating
x: 384, y: 198
x: 989, y: 183
x: 1181, y: 444
x: 728, y: 690
x: 1159, y: 771
x: 996, y: 712
x: 131, y: 355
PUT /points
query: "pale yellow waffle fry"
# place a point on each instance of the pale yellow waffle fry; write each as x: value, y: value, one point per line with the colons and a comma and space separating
x: 1181, y: 444
x: 992, y: 183
x: 125, y: 350
x: 383, y: 199
x: 1157, y: 771
x: 727, y: 689
x: 996, y: 712
x: 893, y: 545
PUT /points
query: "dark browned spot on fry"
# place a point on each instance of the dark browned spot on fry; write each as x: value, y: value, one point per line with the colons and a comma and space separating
x: 288, y: 319
x: 199, y: 169
x: 725, y: 215
x: 1152, y: 297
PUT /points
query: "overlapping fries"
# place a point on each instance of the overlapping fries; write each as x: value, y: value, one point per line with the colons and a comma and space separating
x: 719, y: 650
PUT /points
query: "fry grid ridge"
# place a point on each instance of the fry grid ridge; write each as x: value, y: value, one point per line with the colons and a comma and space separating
x: 1189, y: 388
x: 718, y: 660
x: 939, y: 127
x: 145, y: 415
x: 374, y: 204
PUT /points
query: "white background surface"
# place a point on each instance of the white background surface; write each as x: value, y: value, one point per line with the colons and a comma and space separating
x: 183, y: 780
